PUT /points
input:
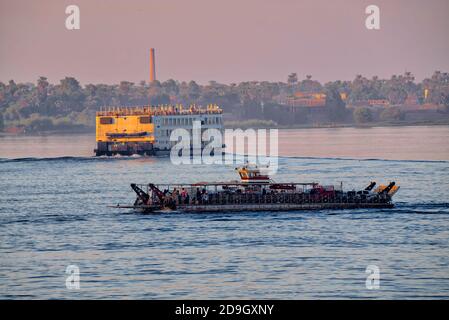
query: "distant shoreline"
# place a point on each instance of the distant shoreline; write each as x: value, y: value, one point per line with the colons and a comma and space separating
x: 344, y: 125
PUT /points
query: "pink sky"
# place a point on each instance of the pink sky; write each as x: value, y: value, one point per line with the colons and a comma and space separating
x: 227, y: 41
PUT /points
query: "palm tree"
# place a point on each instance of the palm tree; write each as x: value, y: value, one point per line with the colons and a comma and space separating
x: 292, y: 79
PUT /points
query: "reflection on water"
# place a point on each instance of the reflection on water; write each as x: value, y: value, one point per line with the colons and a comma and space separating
x: 47, y: 146
x: 398, y: 143
x: 394, y: 143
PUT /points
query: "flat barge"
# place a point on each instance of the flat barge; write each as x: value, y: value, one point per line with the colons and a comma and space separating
x: 256, y: 192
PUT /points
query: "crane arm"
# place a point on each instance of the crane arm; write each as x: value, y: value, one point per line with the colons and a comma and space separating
x: 158, y: 192
x: 371, y: 186
x: 142, y: 195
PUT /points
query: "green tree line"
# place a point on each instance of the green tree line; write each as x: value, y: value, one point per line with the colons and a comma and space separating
x: 68, y: 105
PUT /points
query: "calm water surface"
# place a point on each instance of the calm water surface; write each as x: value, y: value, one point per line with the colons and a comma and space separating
x: 53, y: 198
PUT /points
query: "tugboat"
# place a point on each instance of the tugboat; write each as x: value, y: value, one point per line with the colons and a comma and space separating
x: 256, y: 191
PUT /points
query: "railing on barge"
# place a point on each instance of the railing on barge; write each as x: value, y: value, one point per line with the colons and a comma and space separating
x: 224, y: 197
x: 160, y: 110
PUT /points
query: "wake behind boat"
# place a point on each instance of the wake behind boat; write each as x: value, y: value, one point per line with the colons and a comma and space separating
x: 256, y: 191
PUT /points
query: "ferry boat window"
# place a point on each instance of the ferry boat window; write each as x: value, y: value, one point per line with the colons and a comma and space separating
x: 106, y: 120
x: 145, y: 119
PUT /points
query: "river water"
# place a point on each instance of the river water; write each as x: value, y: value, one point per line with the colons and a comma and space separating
x: 53, y: 213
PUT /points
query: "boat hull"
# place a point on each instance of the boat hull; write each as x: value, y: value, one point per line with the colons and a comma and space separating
x: 262, y: 207
x: 280, y: 207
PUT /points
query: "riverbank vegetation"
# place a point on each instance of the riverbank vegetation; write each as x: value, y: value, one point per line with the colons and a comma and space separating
x: 69, y: 106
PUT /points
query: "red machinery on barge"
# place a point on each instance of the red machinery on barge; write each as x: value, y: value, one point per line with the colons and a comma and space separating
x: 257, y: 192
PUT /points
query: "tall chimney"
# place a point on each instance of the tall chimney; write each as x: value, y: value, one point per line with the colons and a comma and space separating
x: 152, y: 66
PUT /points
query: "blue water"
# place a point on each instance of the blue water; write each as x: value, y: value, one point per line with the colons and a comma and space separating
x: 53, y: 213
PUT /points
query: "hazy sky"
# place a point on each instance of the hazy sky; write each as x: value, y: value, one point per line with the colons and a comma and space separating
x: 227, y: 41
